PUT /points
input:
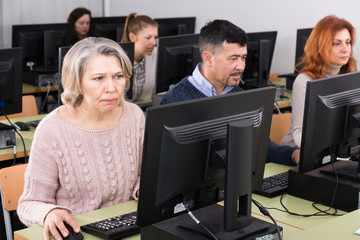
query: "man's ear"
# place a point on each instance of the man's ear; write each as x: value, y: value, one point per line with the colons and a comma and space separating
x: 132, y: 37
x: 207, y: 58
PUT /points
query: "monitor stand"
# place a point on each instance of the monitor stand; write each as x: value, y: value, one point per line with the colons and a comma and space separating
x: 316, y: 186
x: 184, y: 227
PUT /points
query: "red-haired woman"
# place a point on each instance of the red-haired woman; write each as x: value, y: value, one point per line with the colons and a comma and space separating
x: 143, y: 31
x: 328, y: 52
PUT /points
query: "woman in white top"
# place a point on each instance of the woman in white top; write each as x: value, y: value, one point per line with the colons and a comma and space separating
x: 328, y: 52
x: 143, y: 31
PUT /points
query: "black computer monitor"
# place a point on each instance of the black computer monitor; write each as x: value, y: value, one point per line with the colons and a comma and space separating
x: 62, y: 53
x: 302, y: 36
x: 40, y: 44
x: 191, y: 157
x: 11, y: 80
x: 177, y: 56
x: 260, y: 48
x: 328, y: 171
x: 129, y: 48
x: 108, y: 27
x: 331, y: 126
x: 175, y: 26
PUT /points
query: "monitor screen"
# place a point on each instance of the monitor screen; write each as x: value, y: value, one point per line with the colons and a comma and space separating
x: 187, y: 151
x: 331, y: 125
x: 177, y: 57
x: 302, y: 36
x: 11, y: 80
x: 108, y: 27
x: 175, y: 26
x: 40, y: 44
x: 260, y: 47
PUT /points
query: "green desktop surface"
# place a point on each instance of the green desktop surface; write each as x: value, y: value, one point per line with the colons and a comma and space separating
x: 292, y: 225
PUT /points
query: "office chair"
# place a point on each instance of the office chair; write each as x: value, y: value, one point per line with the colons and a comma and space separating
x: 11, y: 188
x: 280, y: 125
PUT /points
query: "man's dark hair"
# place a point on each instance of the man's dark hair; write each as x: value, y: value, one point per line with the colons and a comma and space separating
x: 215, y: 33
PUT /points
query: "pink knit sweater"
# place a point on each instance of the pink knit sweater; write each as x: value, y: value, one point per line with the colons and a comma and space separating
x: 82, y: 170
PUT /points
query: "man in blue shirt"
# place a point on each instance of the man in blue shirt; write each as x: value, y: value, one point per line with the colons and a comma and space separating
x: 223, y: 48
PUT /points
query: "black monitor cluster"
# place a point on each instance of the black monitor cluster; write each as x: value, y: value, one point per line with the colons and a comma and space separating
x: 113, y: 27
x: 260, y: 48
x: 40, y: 44
x: 175, y: 26
x: 178, y: 55
x: 108, y: 27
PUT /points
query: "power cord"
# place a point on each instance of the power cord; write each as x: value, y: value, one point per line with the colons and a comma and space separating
x: 319, y: 212
x: 264, y: 211
x: 197, y: 221
x: 22, y: 139
x: 46, y: 96
x: 277, y: 107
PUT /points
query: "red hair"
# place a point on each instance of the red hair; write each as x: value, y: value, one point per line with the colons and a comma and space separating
x: 316, y: 59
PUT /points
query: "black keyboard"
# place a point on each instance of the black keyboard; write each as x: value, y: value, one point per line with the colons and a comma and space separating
x: 113, y: 228
x: 274, y: 185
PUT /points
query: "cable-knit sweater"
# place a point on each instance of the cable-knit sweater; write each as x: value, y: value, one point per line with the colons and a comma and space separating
x: 293, y: 136
x: 82, y: 170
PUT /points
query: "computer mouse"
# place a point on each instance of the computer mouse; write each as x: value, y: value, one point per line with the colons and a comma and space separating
x: 72, y: 234
x: 21, y: 126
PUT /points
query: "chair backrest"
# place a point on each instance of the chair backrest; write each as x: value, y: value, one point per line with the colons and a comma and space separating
x: 12, y: 185
x: 11, y: 188
x: 280, y: 125
x: 29, y: 108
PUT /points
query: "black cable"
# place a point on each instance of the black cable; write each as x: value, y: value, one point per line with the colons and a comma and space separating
x: 198, y: 222
x: 319, y: 213
x: 22, y: 139
x: 264, y: 211
x: 334, y: 194
x: 46, y: 96
x: 23, y: 142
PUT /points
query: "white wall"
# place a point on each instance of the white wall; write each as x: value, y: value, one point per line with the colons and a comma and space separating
x: 39, y: 11
x: 285, y: 16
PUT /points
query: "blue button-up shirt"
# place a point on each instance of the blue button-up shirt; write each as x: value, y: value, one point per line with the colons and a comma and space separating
x: 203, y: 85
